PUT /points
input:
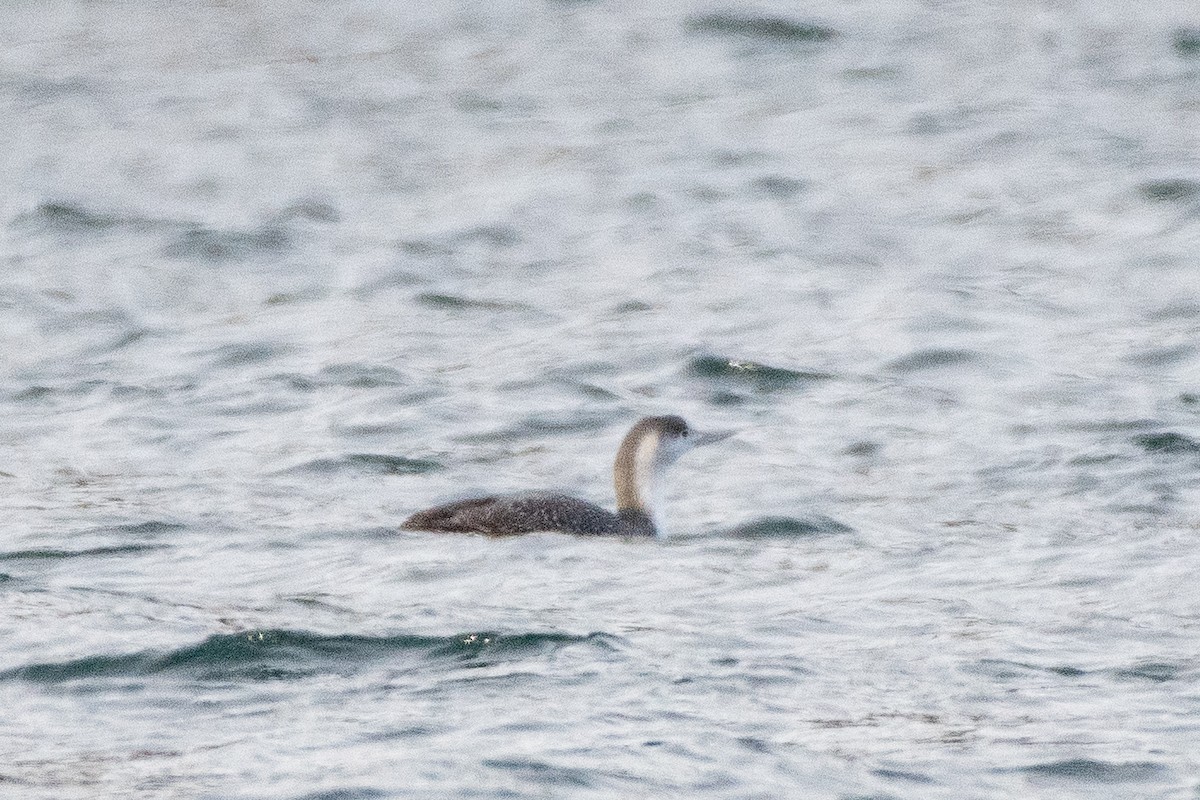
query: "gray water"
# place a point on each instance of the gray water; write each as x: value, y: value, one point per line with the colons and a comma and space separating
x: 277, y: 275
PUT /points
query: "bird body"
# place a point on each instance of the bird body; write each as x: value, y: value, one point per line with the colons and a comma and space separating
x: 652, y: 445
x: 529, y: 512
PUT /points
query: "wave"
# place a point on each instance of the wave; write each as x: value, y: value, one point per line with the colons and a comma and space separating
x: 286, y: 654
x: 51, y: 553
x: 1089, y: 770
x: 1167, y: 442
x: 788, y: 528
x: 367, y: 464
x: 760, y: 378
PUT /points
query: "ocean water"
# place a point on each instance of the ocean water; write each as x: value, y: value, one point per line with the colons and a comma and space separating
x: 276, y: 275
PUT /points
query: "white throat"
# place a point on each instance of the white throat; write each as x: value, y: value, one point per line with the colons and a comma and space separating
x: 649, y: 465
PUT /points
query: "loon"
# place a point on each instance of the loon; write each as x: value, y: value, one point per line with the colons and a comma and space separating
x: 652, y: 445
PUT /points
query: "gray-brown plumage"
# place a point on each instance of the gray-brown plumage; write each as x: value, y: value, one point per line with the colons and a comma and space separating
x: 652, y: 445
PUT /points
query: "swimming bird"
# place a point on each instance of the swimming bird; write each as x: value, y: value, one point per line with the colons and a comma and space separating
x: 652, y: 445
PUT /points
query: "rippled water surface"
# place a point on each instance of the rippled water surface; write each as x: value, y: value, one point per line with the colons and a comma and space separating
x: 276, y: 276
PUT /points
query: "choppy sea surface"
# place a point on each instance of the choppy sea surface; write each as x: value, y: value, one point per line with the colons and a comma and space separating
x: 274, y: 276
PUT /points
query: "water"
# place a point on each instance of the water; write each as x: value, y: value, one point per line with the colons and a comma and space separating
x: 276, y: 276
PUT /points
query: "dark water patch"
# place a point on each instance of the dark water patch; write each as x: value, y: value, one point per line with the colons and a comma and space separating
x: 1065, y: 671
x: 882, y: 73
x: 1178, y: 310
x: 758, y: 377
x: 351, y: 375
x: 1167, y: 442
x: 148, y: 528
x: 1186, y: 42
x: 425, y: 248
x: 934, y: 358
x: 309, y: 210
x: 499, y: 236
x: 1094, y: 580
x: 300, y: 383
x: 474, y: 680
x: 541, y: 426
x: 901, y: 775
x: 733, y: 157
x: 41, y: 90
x: 1153, y: 671
x: 643, y: 202
x: 142, y: 530
x: 368, y: 464
x: 1190, y: 398
x: 1094, y: 771
x: 1004, y: 669
x: 55, y: 554
x: 754, y: 744
x: 778, y: 187
x: 105, y: 344
x: 1094, y: 459
x: 863, y: 449
x: 633, y: 307
x: 127, y: 390
x: 459, y: 303
x: 374, y: 533
x: 357, y: 793
x: 541, y: 772
x: 244, y: 354
x: 1162, y: 356
x: 483, y: 104
x: 713, y: 195
x: 36, y: 393
x: 788, y: 528
x: 124, y: 340
x: 1170, y: 190
x: 369, y: 429
x: 291, y: 298
x: 317, y: 600
x: 290, y: 655
x: 594, y: 392
x: 61, y: 217
x: 400, y: 734
x: 488, y: 647
x: 33, y: 394
x: 216, y: 247
x: 243, y: 407
x: 360, y: 376
x: 761, y: 27
x: 1114, y: 425
x: 869, y: 721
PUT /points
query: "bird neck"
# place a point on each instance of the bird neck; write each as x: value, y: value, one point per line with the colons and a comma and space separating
x: 636, y: 475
